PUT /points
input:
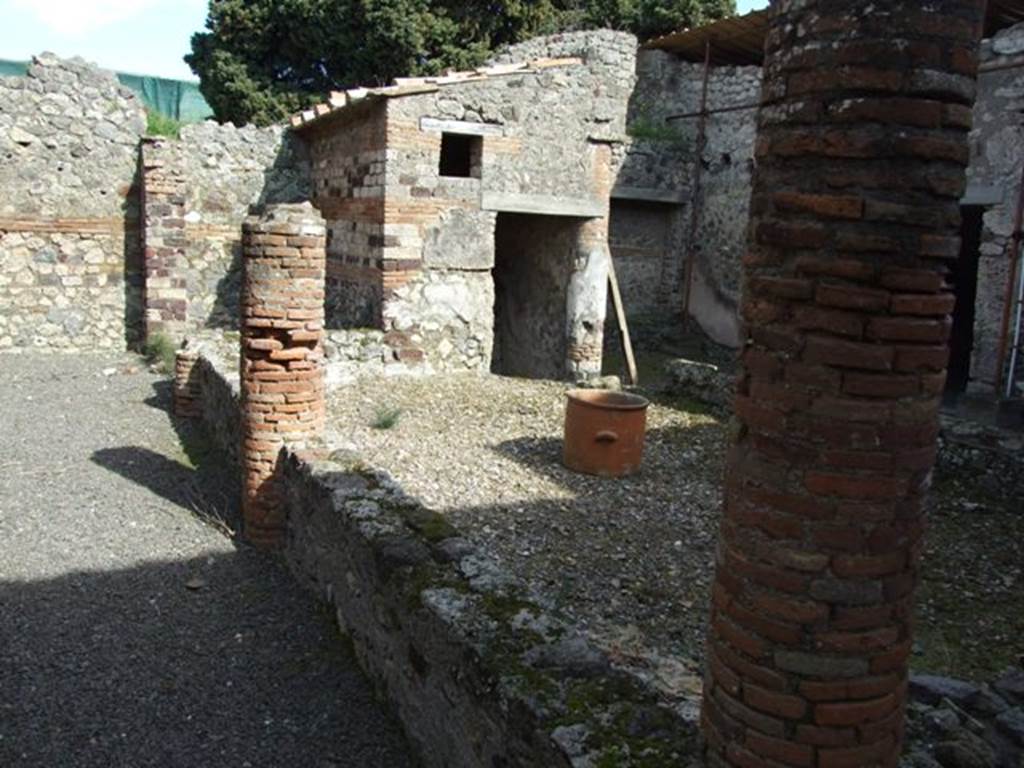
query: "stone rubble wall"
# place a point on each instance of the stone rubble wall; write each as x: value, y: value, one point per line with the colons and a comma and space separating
x: 70, y: 262
x: 198, y: 189
x: 652, y: 273
x: 997, y: 153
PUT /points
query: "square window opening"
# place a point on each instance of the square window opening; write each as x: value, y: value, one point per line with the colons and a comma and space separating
x: 460, y: 155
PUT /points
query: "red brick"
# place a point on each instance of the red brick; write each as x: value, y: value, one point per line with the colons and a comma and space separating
x: 887, y: 386
x: 921, y: 358
x: 849, y: 269
x: 852, y: 297
x: 828, y: 206
x: 739, y: 638
x: 781, y: 287
x: 920, y: 280
x: 848, y: 354
x: 825, y: 737
x: 786, y: 752
x: 854, y: 486
x: 783, y: 705
x: 868, y: 566
x: 854, y: 712
x: 748, y: 670
x: 813, y: 318
x: 790, y: 608
x: 937, y: 305
x: 850, y: 642
x: 908, y: 329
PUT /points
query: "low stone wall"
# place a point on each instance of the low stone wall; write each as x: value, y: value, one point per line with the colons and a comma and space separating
x: 480, y: 673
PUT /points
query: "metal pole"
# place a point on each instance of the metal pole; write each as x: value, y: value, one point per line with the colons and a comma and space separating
x: 695, y: 196
x: 719, y: 111
x: 1011, y: 284
x: 1010, y: 376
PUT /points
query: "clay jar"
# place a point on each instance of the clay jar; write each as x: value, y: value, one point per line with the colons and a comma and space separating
x: 604, y: 432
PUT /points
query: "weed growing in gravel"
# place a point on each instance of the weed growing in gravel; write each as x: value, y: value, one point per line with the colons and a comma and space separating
x: 159, y: 350
x: 385, y: 417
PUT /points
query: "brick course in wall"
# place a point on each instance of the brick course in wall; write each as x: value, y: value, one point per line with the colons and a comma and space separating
x: 282, y: 371
x: 861, y: 156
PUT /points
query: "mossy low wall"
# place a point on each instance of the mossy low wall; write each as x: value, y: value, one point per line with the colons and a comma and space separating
x: 481, y: 674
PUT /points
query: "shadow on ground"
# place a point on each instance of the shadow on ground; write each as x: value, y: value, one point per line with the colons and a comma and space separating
x: 204, y: 662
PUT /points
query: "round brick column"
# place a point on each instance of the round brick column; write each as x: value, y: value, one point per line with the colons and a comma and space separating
x: 186, y: 391
x: 855, y: 221
x: 282, y: 372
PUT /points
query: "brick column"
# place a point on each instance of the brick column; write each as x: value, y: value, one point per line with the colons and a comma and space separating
x: 164, y: 241
x: 282, y: 355
x: 186, y: 391
x: 855, y: 219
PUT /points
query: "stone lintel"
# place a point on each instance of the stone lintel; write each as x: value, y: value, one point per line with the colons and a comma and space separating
x: 979, y: 194
x: 460, y: 126
x: 548, y: 205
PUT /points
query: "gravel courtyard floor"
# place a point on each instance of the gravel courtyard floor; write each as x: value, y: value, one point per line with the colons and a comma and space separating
x: 131, y: 632
x: 630, y: 560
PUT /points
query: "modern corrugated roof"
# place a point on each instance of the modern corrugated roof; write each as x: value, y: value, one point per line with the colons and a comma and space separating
x: 740, y: 39
x: 407, y: 86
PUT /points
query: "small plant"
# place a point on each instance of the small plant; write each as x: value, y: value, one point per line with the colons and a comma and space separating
x: 647, y: 128
x: 159, y: 124
x: 159, y: 350
x: 385, y: 417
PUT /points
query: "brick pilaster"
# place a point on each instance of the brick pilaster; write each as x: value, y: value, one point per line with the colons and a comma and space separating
x: 282, y: 355
x: 861, y: 157
x: 164, y: 241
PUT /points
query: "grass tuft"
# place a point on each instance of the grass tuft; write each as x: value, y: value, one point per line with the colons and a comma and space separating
x: 159, y: 350
x: 385, y: 417
x: 158, y: 124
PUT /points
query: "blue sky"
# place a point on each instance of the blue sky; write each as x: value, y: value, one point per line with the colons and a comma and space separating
x: 146, y: 37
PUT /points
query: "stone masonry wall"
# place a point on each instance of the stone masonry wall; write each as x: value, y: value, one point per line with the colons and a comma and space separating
x: 997, y: 153
x: 654, y: 174
x: 70, y: 271
x: 536, y: 131
x: 198, y: 189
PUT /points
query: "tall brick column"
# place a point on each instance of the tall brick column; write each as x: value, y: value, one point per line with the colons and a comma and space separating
x: 282, y: 354
x: 861, y: 157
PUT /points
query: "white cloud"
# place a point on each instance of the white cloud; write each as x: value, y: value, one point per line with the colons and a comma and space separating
x: 78, y: 18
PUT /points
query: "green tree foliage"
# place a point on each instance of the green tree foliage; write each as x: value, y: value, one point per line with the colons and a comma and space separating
x: 262, y: 60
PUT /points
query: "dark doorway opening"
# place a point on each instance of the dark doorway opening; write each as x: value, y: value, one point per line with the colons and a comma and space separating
x: 533, y: 261
x: 964, y: 275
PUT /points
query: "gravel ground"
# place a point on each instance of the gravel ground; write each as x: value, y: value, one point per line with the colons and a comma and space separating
x: 631, y: 559
x: 132, y: 633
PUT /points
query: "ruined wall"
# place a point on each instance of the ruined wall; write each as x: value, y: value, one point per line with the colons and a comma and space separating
x: 654, y: 176
x: 532, y: 135
x: 997, y: 152
x: 198, y: 189
x: 70, y: 273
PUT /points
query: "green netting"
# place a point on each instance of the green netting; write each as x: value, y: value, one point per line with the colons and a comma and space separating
x: 174, y: 98
x: 12, y: 68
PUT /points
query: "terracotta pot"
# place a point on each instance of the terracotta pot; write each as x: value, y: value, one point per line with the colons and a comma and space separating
x: 604, y: 432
